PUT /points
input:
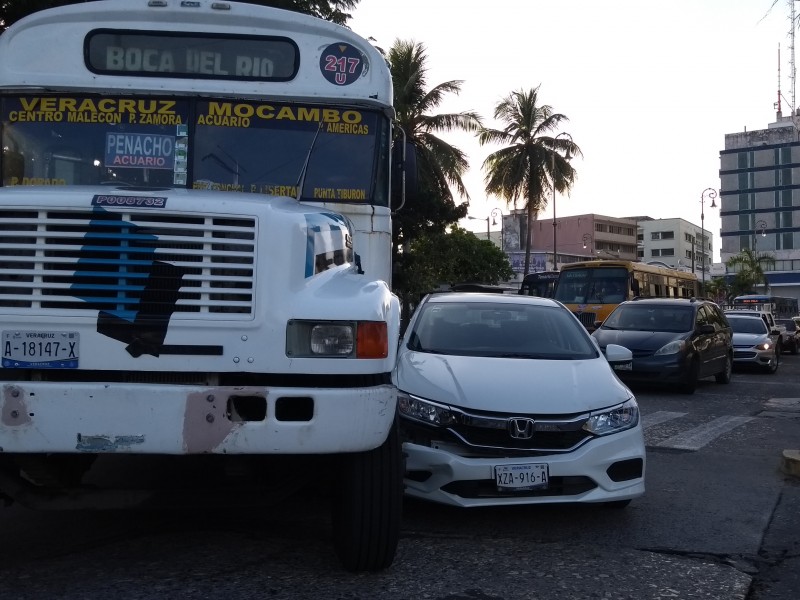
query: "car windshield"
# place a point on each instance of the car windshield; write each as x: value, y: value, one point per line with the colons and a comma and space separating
x: 639, y: 317
x: 500, y: 330
x: 747, y: 325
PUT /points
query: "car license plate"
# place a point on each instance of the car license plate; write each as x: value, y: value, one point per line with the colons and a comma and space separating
x: 521, y: 477
x: 41, y: 349
x: 628, y: 366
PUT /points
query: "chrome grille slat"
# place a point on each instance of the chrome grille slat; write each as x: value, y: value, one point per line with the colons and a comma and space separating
x: 97, y: 260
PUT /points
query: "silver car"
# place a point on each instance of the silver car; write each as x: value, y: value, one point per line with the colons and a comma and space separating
x: 753, y: 343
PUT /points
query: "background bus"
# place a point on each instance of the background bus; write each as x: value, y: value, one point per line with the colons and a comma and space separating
x: 542, y: 284
x: 781, y: 307
x: 592, y: 289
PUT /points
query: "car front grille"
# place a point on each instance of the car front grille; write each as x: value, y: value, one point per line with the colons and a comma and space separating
x: 120, y: 261
x: 492, y: 434
x: 743, y: 354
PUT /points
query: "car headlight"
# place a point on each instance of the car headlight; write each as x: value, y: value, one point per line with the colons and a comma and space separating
x: 763, y: 346
x: 613, y: 420
x: 672, y: 348
x: 423, y: 411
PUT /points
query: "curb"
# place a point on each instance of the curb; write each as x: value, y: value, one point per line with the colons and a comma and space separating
x: 790, y: 464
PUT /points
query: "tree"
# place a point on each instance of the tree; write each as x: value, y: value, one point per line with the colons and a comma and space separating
x: 440, y: 165
x: 719, y: 291
x: 331, y: 10
x: 524, y: 169
x: 751, y: 273
x: 458, y: 256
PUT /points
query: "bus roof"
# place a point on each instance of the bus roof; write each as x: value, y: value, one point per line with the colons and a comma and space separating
x: 28, y: 64
x: 627, y: 264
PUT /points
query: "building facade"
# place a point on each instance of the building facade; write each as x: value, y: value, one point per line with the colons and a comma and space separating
x: 760, y: 200
x: 675, y: 242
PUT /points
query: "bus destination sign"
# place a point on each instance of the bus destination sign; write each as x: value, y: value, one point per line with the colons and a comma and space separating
x: 202, y: 56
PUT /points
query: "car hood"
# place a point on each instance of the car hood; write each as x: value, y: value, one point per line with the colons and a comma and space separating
x: 749, y: 339
x: 510, y: 385
x: 647, y: 341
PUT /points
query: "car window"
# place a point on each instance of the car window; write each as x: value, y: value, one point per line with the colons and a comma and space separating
x: 703, y: 317
x: 747, y: 325
x: 720, y: 322
x: 652, y: 317
x: 500, y: 330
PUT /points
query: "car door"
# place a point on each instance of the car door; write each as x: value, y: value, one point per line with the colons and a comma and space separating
x: 723, y: 338
x: 708, y: 342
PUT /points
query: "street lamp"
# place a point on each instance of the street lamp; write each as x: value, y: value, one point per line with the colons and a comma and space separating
x: 762, y: 227
x: 495, y: 212
x: 587, y: 240
x: 491, y: 219
x: 710, y: 193
x: 567, y: 157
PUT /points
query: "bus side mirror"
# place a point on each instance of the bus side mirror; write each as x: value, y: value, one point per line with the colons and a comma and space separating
x: 405, y: 181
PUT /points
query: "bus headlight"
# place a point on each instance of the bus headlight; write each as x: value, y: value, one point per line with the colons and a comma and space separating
x: 337, y: 339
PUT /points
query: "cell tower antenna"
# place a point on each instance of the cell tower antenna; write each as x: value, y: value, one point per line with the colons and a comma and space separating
x: 792, y: 71
x: 777, y: 107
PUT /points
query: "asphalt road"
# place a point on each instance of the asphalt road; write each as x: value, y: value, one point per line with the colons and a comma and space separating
x: 719, y: 521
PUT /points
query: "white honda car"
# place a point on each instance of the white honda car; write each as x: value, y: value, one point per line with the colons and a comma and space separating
x: 506, y: 399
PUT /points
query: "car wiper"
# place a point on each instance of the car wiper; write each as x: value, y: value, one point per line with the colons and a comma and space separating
x: 536, y: 355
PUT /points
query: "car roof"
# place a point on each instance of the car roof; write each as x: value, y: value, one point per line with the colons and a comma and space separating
x: 482, y: 297
x: 668, y: 301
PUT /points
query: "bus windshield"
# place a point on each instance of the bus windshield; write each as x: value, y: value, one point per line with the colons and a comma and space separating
x: 259, y: 147
x: 592, y: 285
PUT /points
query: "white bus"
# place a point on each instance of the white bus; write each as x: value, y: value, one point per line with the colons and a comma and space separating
x: 195, y: 242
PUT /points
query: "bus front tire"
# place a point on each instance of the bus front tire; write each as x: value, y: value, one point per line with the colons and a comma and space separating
x: 367, y: 506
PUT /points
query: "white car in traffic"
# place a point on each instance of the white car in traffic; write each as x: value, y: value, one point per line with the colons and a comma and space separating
x: 506, y: 399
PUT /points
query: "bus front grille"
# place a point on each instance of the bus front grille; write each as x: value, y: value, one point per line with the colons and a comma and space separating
x: 125, y: 262
x: 587, y: 319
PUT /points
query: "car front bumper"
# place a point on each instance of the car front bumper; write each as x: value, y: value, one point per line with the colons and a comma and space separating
x: 751, y: 356
x: 581, y: 476
x: 670, y: 368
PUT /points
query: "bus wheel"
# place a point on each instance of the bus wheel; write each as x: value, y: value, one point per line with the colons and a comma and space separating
x: 367, y: 506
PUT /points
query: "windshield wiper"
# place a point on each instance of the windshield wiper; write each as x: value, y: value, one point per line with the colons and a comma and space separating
x: 302, y: 179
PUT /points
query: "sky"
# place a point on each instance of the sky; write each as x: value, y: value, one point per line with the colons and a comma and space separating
x: 650, y: 88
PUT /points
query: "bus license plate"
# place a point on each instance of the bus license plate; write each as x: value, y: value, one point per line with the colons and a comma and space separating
x: 521, y: 477
x: 41, y: 349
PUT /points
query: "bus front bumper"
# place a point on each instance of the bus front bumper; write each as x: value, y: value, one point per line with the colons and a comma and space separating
x: 107, y: 418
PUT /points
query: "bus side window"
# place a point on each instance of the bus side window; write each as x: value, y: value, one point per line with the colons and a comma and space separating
x: 634, y: 285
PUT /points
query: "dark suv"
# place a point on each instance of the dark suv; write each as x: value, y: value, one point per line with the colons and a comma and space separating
x: 674, y: 341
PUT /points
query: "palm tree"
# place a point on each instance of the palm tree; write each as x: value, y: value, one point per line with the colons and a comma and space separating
x: 531, y: 163
x: 439, y: 164
x: 719, y: 291
x: 752, y: 270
